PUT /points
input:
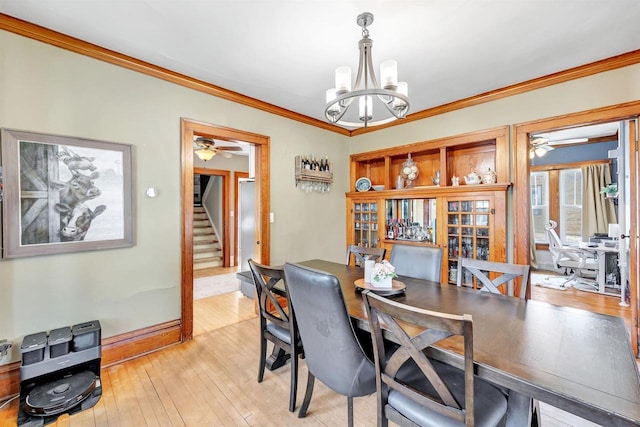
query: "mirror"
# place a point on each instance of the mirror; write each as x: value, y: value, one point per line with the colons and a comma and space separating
x: 411, y: 220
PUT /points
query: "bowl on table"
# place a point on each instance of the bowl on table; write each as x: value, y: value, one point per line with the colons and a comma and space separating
x: 378, y: 187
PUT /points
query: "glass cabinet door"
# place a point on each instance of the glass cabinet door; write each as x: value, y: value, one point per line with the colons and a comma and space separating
x: 469, y: 234
x: 365, y: 224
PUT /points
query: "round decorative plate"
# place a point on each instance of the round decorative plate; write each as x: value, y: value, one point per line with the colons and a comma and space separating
x: 397, y: 288
x: 363, y: 184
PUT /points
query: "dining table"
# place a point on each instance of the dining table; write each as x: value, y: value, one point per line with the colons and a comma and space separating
x: 578, y: 361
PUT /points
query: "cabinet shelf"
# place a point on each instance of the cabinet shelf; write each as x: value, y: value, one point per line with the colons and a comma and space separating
x: 428, y: 191
x: 463, y: 220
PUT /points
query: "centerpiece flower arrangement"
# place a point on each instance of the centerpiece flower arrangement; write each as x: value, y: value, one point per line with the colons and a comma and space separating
x: 383, y: 274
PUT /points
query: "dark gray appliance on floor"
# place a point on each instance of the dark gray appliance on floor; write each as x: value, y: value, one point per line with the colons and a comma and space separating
x: 246, y: 283
x: 59, y: 373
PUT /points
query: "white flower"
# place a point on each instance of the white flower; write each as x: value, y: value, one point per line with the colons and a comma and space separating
x: 382, y: 270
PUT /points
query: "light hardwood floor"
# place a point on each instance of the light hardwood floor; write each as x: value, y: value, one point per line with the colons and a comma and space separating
x: 211, y: 380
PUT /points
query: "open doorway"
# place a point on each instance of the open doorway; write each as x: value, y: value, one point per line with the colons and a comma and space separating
x: 260, y: 145
x: 624, y: 118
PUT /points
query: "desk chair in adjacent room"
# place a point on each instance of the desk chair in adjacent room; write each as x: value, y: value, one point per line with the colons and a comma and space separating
x: 579, y: 261
x: 361, y: 254
x: 416, y: 390
x: 503, y: 273
x: 333, y: 352
x: 277, y: 322
x: 419, y: 262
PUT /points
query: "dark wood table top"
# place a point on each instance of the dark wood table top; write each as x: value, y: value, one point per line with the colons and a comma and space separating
x: 573, y: 359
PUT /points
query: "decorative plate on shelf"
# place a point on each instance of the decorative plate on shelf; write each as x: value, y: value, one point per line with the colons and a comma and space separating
x: 397, y: 288
x: 363, y: 184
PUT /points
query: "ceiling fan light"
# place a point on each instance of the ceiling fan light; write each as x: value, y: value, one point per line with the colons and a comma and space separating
x: 226, y: 154
x: 205, y: 154
x: 542, y: 150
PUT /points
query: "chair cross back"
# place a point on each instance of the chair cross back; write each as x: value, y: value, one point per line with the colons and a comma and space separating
x: 361, y: 254
x: 437, y: 327
x: 482, y: 270
x: 274, y: 311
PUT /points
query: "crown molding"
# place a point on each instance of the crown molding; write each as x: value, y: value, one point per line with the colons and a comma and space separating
x: 45, y: 35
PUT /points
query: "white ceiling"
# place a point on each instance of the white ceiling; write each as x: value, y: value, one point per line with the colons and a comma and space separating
x: 285, y: 52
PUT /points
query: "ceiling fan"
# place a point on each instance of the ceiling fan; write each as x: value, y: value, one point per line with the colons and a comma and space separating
x: 539, y: 147
x: 208, y: 148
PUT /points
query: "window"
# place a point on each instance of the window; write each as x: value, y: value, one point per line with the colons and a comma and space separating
x: 540, y: 204
x: 571, y: 205
x: 563, y: 206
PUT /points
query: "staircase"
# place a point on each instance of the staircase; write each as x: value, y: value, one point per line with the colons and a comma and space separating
x: 207, y: 251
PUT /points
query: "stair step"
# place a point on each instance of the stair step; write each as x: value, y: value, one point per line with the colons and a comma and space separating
x: 201, y: 223
x: 198, y: 209
x: 206, y: 238
x: 207, y: 263
x: 209, y: 246
x: 203, y: 230
x: 200, y: 216
x: 214, y: 251
x: 198, y: 256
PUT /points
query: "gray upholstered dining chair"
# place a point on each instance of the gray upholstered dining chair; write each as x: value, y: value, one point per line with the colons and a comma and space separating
x: 333, y: 352
x: 360, y: 254
x: 420, y: 262
x: 277, y: 321
x: 417, y: 390
x: 503, y: 275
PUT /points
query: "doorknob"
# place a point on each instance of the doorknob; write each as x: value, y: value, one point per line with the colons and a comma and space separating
x: 258, y: 242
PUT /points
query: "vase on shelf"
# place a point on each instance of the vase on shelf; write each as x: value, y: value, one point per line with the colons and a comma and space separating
x: 489, y: 177
x: 409, y: 172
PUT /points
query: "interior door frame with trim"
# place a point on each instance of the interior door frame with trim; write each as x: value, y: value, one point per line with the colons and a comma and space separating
x: 521, y: 194
x: 188, y: 129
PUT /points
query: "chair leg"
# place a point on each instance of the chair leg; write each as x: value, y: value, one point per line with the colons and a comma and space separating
x: 350, y: 411
x: 263, y: 357
x: 294, y: 381
x: 307, y: 396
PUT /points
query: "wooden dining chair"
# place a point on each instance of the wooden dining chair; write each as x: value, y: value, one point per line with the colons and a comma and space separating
x: 333, y: 351
x: 503, y: 275
x: 361, y: 254
x: 420, y: 262
x: 277, y: 321
x: 415, y: 389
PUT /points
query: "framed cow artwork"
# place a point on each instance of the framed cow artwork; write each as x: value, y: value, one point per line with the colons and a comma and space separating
x: 64, y: 194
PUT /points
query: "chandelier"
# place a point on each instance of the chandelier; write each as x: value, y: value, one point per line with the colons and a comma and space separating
x: 389, y: 97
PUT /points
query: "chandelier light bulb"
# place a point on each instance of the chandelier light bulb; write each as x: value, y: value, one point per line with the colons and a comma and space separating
x: 403, y: 89
x: 343, y: 80
x: 366, y: 108
x: 389, y: 74
x: 334, y: 108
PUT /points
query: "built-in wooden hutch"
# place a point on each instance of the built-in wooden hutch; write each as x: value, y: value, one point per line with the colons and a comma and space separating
x: 465, y: 220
